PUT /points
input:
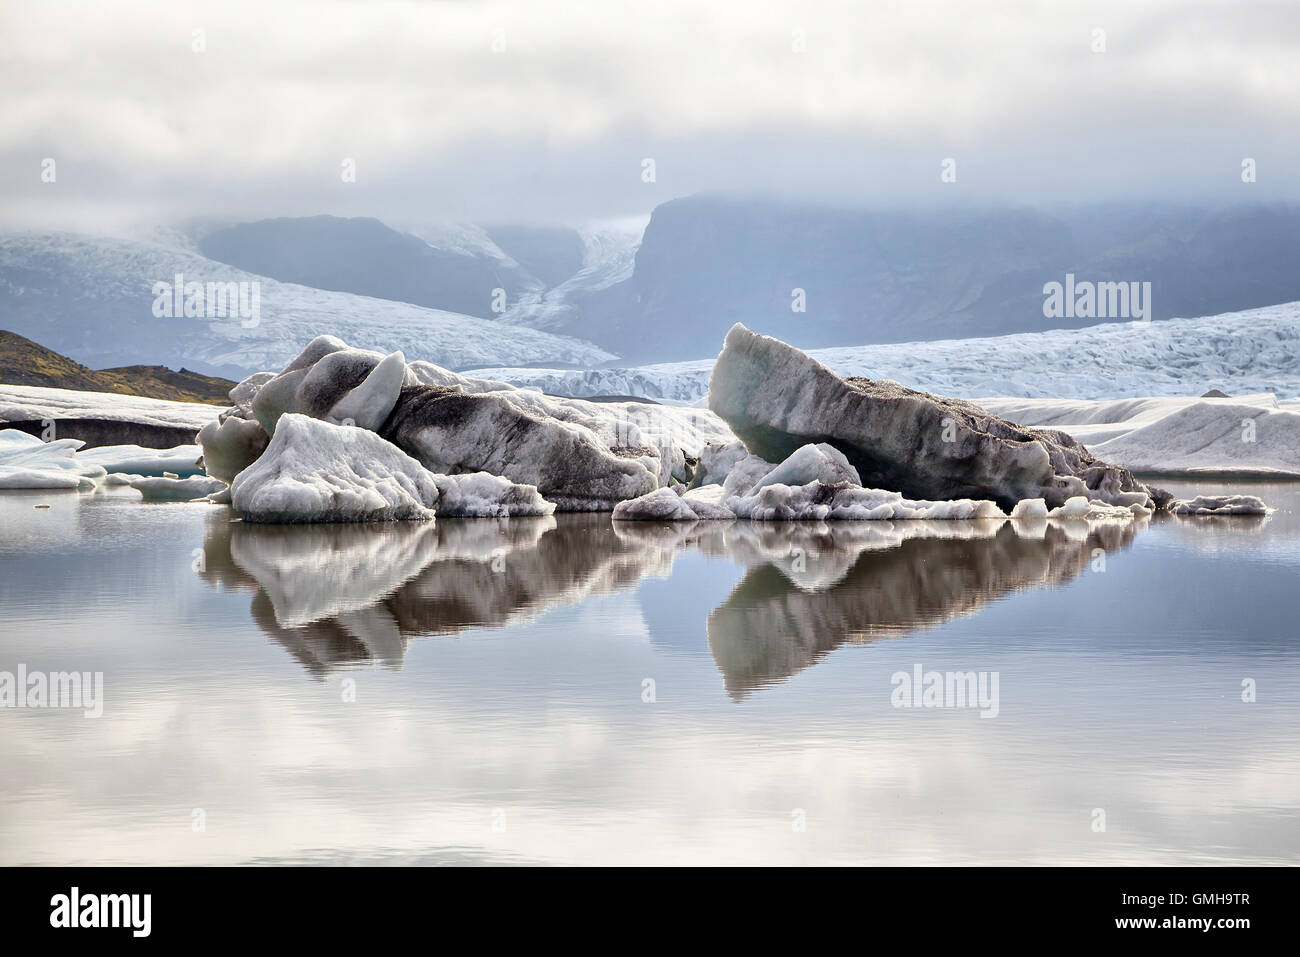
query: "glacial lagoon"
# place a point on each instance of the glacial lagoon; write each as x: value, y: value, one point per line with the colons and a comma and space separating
x: 568, y: 689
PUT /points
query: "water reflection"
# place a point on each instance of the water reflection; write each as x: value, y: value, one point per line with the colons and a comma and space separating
x: 348, y: 595
x: 782, y: 619
x: 340, y: 595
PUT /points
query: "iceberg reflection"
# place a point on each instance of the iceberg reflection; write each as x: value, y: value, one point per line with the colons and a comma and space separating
x: 344, y: 595
x: 784, y: 617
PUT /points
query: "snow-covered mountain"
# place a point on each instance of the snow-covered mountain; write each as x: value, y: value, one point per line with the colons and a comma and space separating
x: 530, y: 275
x: 869, y: 276
x: 1254, y: 351
x: 652, y: 289
x: 92, y: 298
x: 456, y: 269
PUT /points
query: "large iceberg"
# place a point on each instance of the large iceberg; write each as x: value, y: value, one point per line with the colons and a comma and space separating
x: 777, y: 398
x: 580, y: 455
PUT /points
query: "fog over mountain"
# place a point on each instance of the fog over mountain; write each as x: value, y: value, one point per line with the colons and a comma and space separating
x: 812, y: 275
x: 899, y: 276
x: 505, y: 111
x: 637, y: 177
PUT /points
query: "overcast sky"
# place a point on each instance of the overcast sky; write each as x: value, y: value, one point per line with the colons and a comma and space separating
x: 540, y: 111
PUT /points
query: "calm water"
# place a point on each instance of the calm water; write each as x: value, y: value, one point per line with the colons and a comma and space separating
x: 564, y: 690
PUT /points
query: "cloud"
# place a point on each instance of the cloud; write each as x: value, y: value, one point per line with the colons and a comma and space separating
x: 507, y: 110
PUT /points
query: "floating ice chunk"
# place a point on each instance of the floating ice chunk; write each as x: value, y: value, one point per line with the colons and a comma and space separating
x: 246, y: 391
x: 124, y: 413
x: 483, y: 495
x: 452, y: 432
x: 231, y: 445
x: 368, y: 404
x: 1080, y: 506
x: 667, y: 505
x: 17, y: 477
x: 313, y: 471
x: 322, y: 374
x: 819, y: 501
x: 1030, y: 508
x: 27, y: 462
x: 1220, y: 505
x: 707, y: 510
x: 172, y: 489
x: 138, y: 460
x: 426, y: 373
x: 706, y: 494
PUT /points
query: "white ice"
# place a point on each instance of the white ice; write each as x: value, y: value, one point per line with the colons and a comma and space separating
x: 181, y: 460
x: 314, y: 471
x: 162, y: 488
x: 28, y: 462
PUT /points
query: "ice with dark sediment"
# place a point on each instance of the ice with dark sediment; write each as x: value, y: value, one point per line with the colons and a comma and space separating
x: 777, y: 399
x: 315, y: 471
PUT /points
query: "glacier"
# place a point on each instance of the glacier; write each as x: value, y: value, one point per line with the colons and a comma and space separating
x: 1246, y: 352
x: 44, y: 278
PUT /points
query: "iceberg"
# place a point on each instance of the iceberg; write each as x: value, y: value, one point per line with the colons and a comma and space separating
x: 171, y: 488
x: 579, y: 455
x: 313, y: 471
x: 231, y: 444
x: 182, y: 460
x: 776, y: 398
x: 27, y: 462
x: 1220, y: 505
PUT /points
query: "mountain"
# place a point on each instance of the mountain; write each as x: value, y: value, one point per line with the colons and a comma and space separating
x: 876, y: 276
x: 93, y: 298
x: 545, y: 272
x: 457, y: 272
x: 23, y: 362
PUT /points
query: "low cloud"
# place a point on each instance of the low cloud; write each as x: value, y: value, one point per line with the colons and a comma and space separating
x: 544, y: 111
